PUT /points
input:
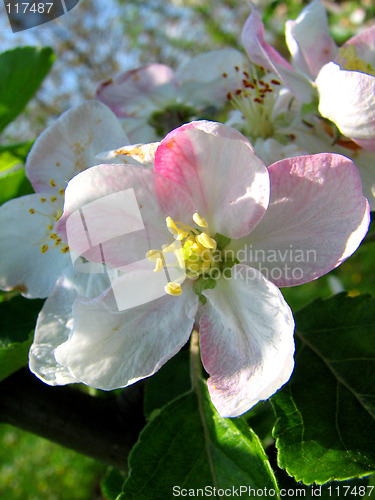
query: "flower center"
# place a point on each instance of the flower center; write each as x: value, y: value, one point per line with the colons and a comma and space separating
x: 348, y: 59
x: 255, y: 98
x: 195, y: 251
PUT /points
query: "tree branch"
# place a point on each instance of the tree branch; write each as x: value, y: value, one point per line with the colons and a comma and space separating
x: 103, y: 428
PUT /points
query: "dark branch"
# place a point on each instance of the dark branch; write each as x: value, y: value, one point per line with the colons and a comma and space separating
x: 103, y: 428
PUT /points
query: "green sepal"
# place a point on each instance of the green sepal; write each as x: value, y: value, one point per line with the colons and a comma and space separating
x: 203, y: 283
x: 222, y: 241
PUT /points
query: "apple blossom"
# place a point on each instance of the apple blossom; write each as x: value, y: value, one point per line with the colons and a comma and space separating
x: 152, y: 100
x: 209, y: 203
x: 343, y: 77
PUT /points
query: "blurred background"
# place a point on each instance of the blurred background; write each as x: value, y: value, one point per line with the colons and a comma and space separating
x: 93, y: 42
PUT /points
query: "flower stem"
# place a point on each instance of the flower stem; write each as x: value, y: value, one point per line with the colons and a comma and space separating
x: 195, y: 362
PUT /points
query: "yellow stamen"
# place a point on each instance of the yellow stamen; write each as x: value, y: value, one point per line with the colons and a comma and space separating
x: 173, y: 288
x: 44, y: 248
x: 53, y: 198
x: 64, y: 249
x: 181, y: 235
x: 172, y: 228
x: 52, y: 182
x: 169, y: 248
x: 53, y: 236
x: 49, y: 227
x: 159, y: 265
x: 206, y: 241
x: 61, y: 192
x: 153, y: 255
x: 43, y: 200
x: 200, y: 221
x: 31, y: 210
x: 57, y: 242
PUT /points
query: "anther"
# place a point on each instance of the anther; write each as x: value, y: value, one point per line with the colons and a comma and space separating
x: 52, y: 182
x: 43, y: 200
x: 31, y: 210
x: 61, y: 191
x: 64, y: 249
x: 44, y: 248
x: 206, y: 241
x: 158, y: 265
x: 53, y: 198
x: 173, y: 288
x: 200, y: 221
x: 153, y: 255
x: 172, y: 228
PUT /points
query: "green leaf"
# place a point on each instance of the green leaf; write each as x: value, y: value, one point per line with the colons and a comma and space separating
x: 326, y: 413
x: 17, y: 319
x: 22, y: 70
x: 172, y: 380
x: 13, y: 357
x: 13, y: 181
x: 188, y: 445
x: 112, y: 483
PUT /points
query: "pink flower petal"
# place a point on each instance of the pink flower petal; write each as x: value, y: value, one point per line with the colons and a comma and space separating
x: 317, y: 217
x: 246, y: 339
x: 364, y: 44
x: 208, y: 167
x: 263, y: 54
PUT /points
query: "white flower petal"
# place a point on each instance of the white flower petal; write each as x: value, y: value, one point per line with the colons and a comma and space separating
x: 55, y: 323
x: 29, y: 259
x: 347, y: 98
x: 140, y: 91
x: 110, y: 349
x: 308, y: 39
x: 201, y: 77
x: 246, y: 338
x: 71, y: 143
x: 125, y: 210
